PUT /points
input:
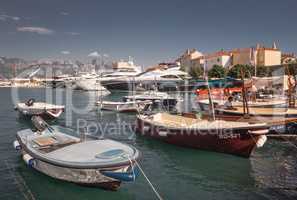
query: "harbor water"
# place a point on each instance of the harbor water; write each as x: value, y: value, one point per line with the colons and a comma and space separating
x: 177, y: 173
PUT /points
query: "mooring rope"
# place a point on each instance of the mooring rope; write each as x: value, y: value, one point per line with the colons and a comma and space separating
x: 134, y: 176
x: 149, y: 182
x: 20, y: 182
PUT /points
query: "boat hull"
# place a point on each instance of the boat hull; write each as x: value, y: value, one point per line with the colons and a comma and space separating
x: 236, y: 142
x: 123, y: 106
x: 165, y: 102
x: 276, y: 113
x: 162, y: 85
x: 118, y: 108
x: 45, y: 114
x: 86, y: 177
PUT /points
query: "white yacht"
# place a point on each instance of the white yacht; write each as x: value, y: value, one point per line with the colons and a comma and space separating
x: 171, y: 74
x: 123, y: 71
x: 170, y: 77
x: 90, y: 82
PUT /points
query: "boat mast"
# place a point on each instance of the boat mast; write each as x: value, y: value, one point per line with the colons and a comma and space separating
x: 101, y: 73
x: 211, y: 107
x: 246, y: 112
x: 291, y: 88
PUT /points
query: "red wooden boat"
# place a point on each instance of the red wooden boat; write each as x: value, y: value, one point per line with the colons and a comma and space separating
x: 231, y: 137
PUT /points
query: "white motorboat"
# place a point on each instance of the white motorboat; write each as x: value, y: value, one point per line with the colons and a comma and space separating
x: 91, y: 85
x: 155, y: 97
x: 130, y: 106
x: 46, y: 110
x: 58, y: 153
x: 5, y: 83
x: 90, y: 82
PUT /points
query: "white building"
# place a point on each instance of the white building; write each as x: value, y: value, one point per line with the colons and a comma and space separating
x: 222, y: 58
x: 188, y: 57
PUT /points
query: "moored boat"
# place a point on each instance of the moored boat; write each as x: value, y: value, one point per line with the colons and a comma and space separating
x: 260, y: 112
x: 237, y: 138
x: 279, y: 125
x: 91, y: 84
x: 32, y: 108
x: 204, y: 103
x: 56, y: 152
x: 130, y: 106
x: 155, y: 97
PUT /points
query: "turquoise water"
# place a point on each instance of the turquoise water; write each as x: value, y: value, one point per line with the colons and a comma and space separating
x: 177, y: 173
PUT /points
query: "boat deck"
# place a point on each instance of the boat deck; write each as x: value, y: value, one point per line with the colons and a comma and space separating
x: 93, y: 152
x: 176, y: 121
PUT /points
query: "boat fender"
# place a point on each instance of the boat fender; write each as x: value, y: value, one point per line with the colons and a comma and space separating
x: 146, y: 128
x: 261, y: 141
x: 16, y: 145
x: 263, y: 131
x: 128, y: 176
x: 29, y: 160
x: 162, y: 133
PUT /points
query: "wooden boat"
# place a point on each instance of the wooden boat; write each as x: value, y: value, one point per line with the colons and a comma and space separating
x: 45, y: 110
x: 130, y: 106
x: 237, y: 138
x: 53, y: 151
x: 264, y: 112
x: 204, y: 103
x: 277, y: 124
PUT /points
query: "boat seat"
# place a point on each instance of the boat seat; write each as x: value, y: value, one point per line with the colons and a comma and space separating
x: 45, y: 141
x: 189, y: 115
x: 54, y: 142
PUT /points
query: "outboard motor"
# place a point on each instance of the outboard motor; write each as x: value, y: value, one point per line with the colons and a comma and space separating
x: 147, y: 110
x: 30, y: 102
x: 39, y: 123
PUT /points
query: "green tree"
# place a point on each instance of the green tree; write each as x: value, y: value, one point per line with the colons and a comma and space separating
x: 234, y: 72
x: 217, y: 71
x: 195, y: 71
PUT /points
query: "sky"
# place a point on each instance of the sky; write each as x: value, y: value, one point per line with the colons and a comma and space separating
x: 148, y: 30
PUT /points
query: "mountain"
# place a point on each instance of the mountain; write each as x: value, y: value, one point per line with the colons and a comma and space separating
x: 7, y: 66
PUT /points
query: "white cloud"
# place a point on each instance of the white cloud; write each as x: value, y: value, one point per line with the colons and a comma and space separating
x: 65, y: 52
x: 73, y: 33
x: 94, y: 54
x: 64, y: 13
x: 38, y: 30
x: 4, y: 17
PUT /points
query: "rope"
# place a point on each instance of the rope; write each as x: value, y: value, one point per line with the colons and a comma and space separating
x: 149, y: 182
x: 134, y: 177
x: 21, y: 184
